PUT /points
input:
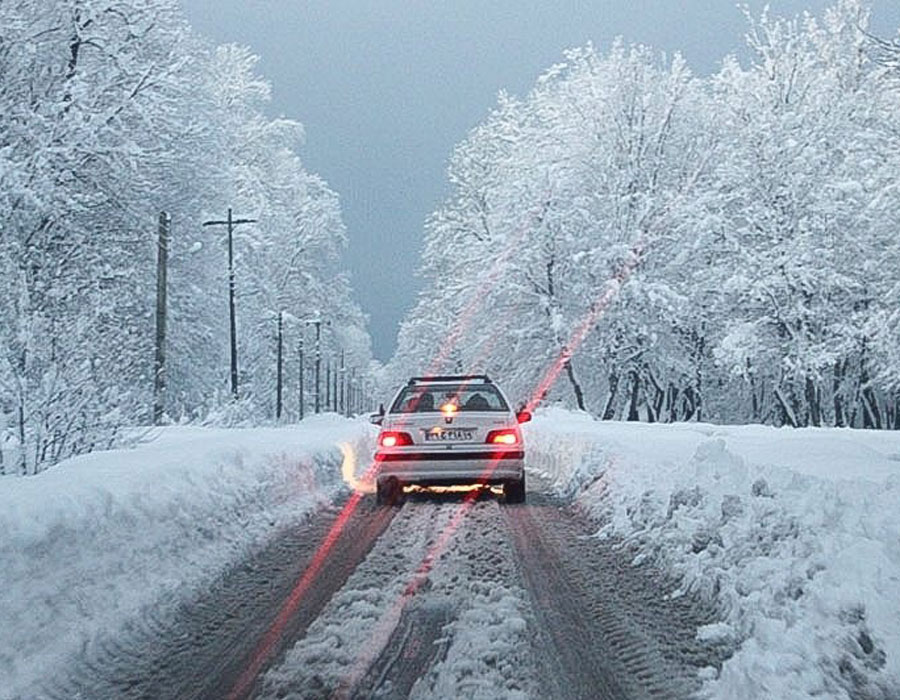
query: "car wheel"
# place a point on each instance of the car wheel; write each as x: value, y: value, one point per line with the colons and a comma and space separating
x: 388, y: 492
x: 514, y: 491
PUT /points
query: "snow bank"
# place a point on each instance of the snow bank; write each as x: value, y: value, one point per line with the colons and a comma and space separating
x: 87, y: 545
x: 794, y: 533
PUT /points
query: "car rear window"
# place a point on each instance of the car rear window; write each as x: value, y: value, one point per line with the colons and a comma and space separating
x: 467, y: 397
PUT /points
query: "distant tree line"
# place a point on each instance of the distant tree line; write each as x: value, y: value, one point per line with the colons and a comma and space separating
x: 112, y: 111
x: 746, y: 227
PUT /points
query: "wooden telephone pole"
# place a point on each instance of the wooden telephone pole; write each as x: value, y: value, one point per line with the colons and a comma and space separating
x: 231, y: 223
x: 280, y: 371
x: 300, y: 383
x: 317, y: 322
x: 159, y: 362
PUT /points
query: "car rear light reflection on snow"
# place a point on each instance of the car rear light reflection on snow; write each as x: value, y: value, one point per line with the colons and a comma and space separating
x: 502, y: 437
x: 348, y: 471
x: 390, y: 438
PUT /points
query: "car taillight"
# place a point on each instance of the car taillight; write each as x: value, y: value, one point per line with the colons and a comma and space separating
x: 502, y: 437
x: 391, y: 438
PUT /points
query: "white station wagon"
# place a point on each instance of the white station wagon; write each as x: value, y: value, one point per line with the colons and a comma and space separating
x: 450, y: 430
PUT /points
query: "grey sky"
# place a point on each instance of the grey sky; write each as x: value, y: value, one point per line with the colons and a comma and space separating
x: 386, y: 88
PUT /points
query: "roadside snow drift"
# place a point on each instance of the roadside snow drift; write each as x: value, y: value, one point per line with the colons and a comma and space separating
x: 795, y: 534
x: 86, y: 546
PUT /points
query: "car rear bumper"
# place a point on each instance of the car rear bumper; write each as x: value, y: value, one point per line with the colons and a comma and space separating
x: 446, y: 468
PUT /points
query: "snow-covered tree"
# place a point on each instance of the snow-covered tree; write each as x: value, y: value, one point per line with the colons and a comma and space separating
x: 112, y: 111
x: 725, y: 245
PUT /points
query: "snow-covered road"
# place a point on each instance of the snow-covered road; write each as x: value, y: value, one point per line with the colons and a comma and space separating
x: 444, y: 597
x: 648, y: 561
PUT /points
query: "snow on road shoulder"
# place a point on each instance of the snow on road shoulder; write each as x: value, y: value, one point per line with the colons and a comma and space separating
x: 794, y: 533
x: 87, y: 545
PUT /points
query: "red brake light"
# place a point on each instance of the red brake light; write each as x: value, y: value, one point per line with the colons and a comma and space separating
x: 390, y: 438
x: 503, y: 437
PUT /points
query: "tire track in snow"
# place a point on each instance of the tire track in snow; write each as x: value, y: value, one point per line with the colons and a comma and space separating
x: 522, y: 603
x: 197, y: 648
x: 488, y: 649
x: 595, y: 606
x: 409, y: 653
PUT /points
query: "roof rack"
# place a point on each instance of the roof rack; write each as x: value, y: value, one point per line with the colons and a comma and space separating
x: 452, y: 378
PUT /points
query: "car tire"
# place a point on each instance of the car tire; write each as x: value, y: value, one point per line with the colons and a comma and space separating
x: 514, y: 491
x: 388, y: 492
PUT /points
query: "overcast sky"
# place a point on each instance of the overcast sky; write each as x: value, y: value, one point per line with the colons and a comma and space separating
x: 386, y: 88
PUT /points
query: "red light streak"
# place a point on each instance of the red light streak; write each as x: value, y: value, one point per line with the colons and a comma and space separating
x: 588, y: 322
x: 292, y: 602
x: 465, y: 319
x: 247, y: 678
x: 388, y: 621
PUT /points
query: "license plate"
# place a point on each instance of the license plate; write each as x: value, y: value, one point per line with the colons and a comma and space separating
x: 449, y: 434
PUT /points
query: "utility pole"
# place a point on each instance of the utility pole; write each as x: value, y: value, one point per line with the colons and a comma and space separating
x: 301, y: 378
x: 317, y: 322
x: 159, y: 363
x: 328, y: 384
x: 280, y: 364
x: 318, y: 363
x: 353, y: 391
x: 231, y: 223
x: 334, y: 385
x: 341, y: 405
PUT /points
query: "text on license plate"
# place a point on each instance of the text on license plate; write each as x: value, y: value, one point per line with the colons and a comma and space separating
x: 449, y: 434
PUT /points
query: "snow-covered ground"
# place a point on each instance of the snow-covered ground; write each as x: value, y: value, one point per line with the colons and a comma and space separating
x: 87, y: 545
x: 795, y: 533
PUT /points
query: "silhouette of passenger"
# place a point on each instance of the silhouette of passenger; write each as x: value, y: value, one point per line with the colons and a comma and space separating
x: 476, y: 403
x: 426, y: 403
